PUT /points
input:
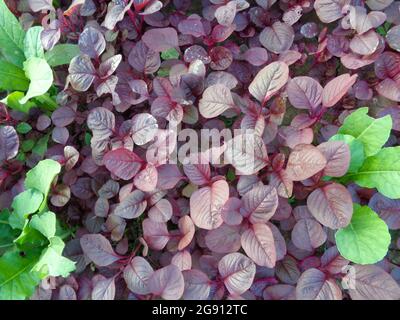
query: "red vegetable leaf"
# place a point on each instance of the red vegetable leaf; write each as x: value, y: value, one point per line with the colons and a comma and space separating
x: 269, y: 81
x: 304, y: 161
x: 123, y: 163
x: 206, y: 205
x: 258, y: 243
x: 238, y: 272
x: 331, y: 205
x: 313, y: 285
x: 336, y: 89
x: 167, y: 283
x: 98, y: 249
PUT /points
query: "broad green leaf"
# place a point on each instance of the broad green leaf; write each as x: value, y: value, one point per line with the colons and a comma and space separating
x: 356, y: 151
x: 11, y: 36
x: 12, y: 100
x: 40, y: 147
x: 42, y: 175
x: 17, y: 280
x: 52, y: 262
x: 23, y: 128
x: 7, y: 234
x: 23, y: 205
x: 27, y: 145
x: 33, y: 44
x: 381, y: 171
x: 366, y: 239
x: 12, y: 77
x: 373, y: 133
x: 61, y: 54
x: 30, y: 239
x: 46, y: 102
x: 45, y: 223
x: 40, y: 75
x: 170, y: 54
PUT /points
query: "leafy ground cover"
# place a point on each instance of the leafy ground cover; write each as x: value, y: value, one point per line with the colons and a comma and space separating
x: 303, y: 203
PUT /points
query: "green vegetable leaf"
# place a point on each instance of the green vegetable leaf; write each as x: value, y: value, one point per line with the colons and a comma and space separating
x: 33, y: 44
x: 12, y: 100
x: 40, y: 75
x: 17, y: 281
x: 23, y: 128
x: 52, y: 262
x: 61, y: 54
x: 23, y: 205
x: 27, y: 145
x: 42, y: 175
x: 356, y: 151
x: 366, y: 239
x: 7, y: 234
x: 30, y: 239
x: 45, y: 223
x: 373, y: 133
x: 40, y: 147
x: 170, y: 54
x: 11, y: 36
x: 381, y: 171
x: 12, y: 77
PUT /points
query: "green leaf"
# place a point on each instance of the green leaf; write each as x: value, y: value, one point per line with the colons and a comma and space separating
x: 12, y: 77
x: 21, y: 157
x: 33, y: 43
x: 366, y: 239
x: 230, y: 175
x: 30, y: 239
x: 42, y: 175
x: 27, y: 145
x: 12, y: 100
x: 23, y: 128
x: 163, y: 73
x: 40, y: 147
x: 170, y: 54
x: 52, y: 262
x: 23, y: 205
x: 40, y: 74
x: 11, y: 36
x: 17, y: 281
x: 381, y: 171
x: 373, y: 133
x: 356, y: 151
x: 61, y: 54
x: 45, y: 223
x: 88, y: 137
x: 7, y: 234
x: 46, y: 102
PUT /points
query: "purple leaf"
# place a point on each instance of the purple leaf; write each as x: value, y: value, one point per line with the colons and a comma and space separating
x: 237, y: 271
x: 313, y: 285
x: 269, y: 81
x: 123, y: 163
x: 137, y: 274
x: 304, y: 161
x: 92, y: 42
x: 9, y: 143
x: 258, y: 243
x: 160, y: 39
x: 206, y: 205
x: 98, y: 249
x: 131, y: 206
x: 331, y: 205
x: 308, y: 234
x: 278, y: 38
x: 304, y: 93
x: 167, y: 282
x: 81, y: 72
